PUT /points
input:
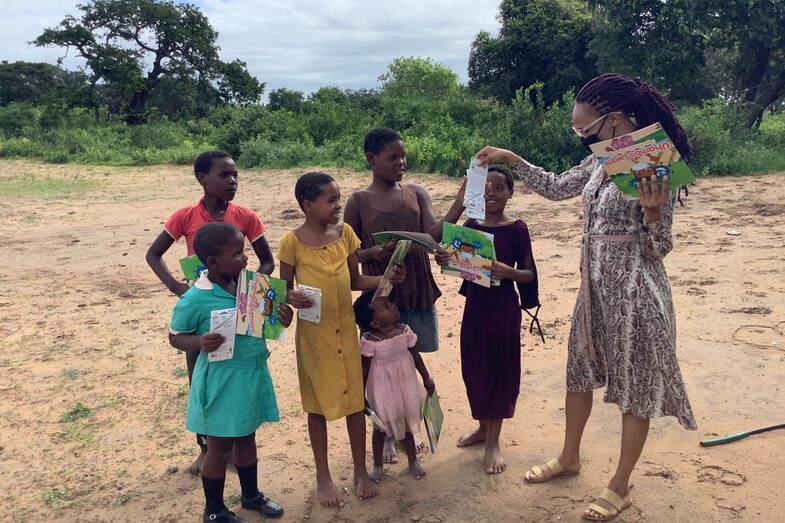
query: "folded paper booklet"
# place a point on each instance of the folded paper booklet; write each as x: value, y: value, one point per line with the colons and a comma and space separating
x: 314, y: 312
x: 474, y: 195
x: 420, y: 239
x: 398, y: 256
x: 642, y: 154
x: 433, y: 417
x: 258, y: 298
x: 222, y: 322
x: 471, y: 254
x: 192, y: 268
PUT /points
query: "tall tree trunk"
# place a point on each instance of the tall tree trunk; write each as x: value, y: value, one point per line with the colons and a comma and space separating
x: 767, y: 95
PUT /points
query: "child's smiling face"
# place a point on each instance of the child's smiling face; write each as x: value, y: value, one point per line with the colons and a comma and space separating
x: 326, y: 208
x: 221, y: 180
x: 390, y: 163
x: 497, y: 192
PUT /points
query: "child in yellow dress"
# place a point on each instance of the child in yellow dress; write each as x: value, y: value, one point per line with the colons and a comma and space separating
x: 321, y: 253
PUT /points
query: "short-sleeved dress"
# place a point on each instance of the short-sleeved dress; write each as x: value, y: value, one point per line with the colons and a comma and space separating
x: 623, y: 331
x: 392, y: 388
x: 491, y: 329
x: 230, y: 398
x: 328, y: 353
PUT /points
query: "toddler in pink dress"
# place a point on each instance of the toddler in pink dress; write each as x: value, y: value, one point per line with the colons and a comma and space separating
x: 390, y: 366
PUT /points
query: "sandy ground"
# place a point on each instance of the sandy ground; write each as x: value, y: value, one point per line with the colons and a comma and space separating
x: 92, y: 396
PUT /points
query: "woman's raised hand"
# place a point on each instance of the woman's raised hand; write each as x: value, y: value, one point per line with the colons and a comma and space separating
x: 652, y: 197
x: 489, y: 155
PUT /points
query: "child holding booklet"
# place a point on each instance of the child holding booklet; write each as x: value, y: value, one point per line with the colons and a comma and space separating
x: 390, y: 366
x: 229, y: 399
x: 491, y: 326
x: 322, y: 253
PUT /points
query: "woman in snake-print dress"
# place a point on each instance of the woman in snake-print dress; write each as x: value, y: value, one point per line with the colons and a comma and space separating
x: 623, y: 333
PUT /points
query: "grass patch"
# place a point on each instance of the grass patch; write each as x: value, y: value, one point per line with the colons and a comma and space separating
x: 55, y: 497
x: 79, y: 435
x: 179, y: 372
x: 78, y: 412
x: 72, y: 374
x: 30, y: 186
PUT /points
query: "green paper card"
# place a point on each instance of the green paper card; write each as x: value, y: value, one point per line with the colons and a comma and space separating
x: 192, y: 267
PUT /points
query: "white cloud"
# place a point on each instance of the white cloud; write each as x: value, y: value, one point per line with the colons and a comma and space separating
x: 301, y: 44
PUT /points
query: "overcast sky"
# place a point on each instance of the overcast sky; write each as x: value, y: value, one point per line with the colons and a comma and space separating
x: 299, y: 44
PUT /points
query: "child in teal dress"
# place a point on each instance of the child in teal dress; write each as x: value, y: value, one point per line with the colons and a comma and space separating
x: 228, y: 399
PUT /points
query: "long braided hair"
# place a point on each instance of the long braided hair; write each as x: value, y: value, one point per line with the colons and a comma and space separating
x: 637, y: 99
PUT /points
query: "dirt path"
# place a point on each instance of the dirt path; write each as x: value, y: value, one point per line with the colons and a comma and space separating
x: 92, y: 396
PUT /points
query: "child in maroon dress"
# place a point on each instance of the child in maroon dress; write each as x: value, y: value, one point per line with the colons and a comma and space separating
x: 491, y: 327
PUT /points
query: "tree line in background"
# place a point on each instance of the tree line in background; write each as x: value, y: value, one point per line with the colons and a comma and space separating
x: 154, y: 90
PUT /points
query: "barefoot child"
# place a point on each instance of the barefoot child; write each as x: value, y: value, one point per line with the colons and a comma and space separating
x: 388, y: 204
x: 322, y: 253
x: 491, y: 326
x: 228, y: 399
x: 217, y: 174
x: 390, y: 366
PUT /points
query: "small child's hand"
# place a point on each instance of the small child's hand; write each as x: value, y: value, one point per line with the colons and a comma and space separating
x: 382, y: 253
x: 429, y: 385
x: 500, y: 271
x: 462, y: 191
x: 399, y: 275
x: 441, y: 256
x: 298, y: 299
x: 285, y: 314
x: 210, y: 341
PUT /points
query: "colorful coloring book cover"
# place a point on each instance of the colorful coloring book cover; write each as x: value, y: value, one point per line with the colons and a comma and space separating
x: 642, y: 154
x: 471, y: 253
x: 258, y: 297
x: 433, y: 417
x: 192, y: 267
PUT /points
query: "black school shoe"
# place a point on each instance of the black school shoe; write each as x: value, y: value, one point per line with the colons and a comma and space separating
x: 225, y: 516
x: 263, y: 505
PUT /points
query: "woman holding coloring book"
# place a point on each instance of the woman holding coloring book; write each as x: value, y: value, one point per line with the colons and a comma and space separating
x: 623, y: 333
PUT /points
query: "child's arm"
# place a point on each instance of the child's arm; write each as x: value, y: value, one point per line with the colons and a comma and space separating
x: 155, y: 260
x: 294, y: 298
x: 428, y: 219
x: 419, y: 364
x: 500, y: 271
x: 265, y: 255
x: 351, y: 216
x: 208, y: 342
x: 362, y: 282
x: 366, y: 369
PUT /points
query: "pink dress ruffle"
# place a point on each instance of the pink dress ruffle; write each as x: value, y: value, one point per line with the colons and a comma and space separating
x: 393, y: 390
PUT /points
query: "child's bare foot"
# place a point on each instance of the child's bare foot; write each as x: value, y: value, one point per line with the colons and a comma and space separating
x: 494, y: 462
x: 195, y: 469
x: 417, y: 471
x: 419, y: 445
x: 365, y: 487
x: 376, y: 473
x: 328, y: 494
x: 475, y: 436
x: 390, y: 453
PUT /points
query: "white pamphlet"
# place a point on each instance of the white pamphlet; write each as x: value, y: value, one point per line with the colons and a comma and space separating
x: 474, y: 196
x: 314, y: 312
x: 223, y: 322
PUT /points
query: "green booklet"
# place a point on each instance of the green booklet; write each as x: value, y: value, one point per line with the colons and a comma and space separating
x: 258, y: 297
x: 398, y: 256
x: 421, y: 239
x: 471, y: 254
x: 192, y: 268
x: 433, y: 417
x: 642, y: 154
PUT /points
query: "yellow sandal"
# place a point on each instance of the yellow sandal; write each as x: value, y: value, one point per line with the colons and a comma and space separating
x: 614, y: 500
x: 554, y: 467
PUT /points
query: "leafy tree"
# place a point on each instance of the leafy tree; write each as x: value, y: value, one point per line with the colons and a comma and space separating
x: 288, y: 99
x: 131, y: 45
x: 539, y: 41
x: 40, y: 83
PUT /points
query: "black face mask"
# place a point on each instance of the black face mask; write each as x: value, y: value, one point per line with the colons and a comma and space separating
x: 590, y: 140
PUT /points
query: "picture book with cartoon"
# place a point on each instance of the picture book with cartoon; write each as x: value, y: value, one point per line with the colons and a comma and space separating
x: 433, y: 417
x: 192, y: 267
x: 471, y: 253
x: 642, y: 154
x: 258, y: 297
